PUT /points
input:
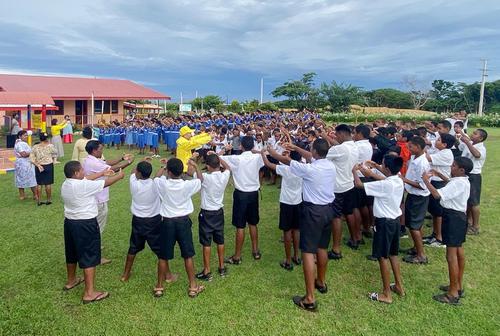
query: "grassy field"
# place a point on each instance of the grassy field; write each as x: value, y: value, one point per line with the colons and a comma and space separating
x: 254, y: 299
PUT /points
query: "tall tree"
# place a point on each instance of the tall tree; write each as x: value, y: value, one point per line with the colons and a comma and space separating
x: 341, y: 96
x: 301, y: 93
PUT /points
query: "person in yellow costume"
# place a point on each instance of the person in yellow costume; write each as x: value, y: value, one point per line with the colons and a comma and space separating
x: 187, y: 142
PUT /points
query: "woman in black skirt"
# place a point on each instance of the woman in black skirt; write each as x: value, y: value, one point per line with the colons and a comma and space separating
x: 43, y: 156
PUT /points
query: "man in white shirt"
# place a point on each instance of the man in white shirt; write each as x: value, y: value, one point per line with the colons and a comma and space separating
x: 388, y: 193
x: 245, y: 168
x: 318, y: 176
x: 175, y: 208
x: 344, y: 155
x: 475, y: 150
x: 82, y: 240
x: 211, y: 216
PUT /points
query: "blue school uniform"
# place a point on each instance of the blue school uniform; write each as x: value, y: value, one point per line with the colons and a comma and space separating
x: 141, y: 138
x: 129, y: 136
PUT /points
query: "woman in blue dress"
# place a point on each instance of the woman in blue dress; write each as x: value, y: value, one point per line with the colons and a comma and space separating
x: 129, y: 136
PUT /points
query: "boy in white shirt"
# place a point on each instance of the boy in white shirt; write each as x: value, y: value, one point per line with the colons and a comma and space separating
x: 82, y: 239
x: 388, y: 193
x: 453, y: 198
x: 417, y: 200
x: 176, y: 206
x: 290, y: 200
x: 211, y: 216
x: 146, y: 217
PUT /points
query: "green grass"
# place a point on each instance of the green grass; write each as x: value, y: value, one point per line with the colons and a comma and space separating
x: 254, y: 299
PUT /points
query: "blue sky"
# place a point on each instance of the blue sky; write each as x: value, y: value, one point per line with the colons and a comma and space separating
x: 225, y: 47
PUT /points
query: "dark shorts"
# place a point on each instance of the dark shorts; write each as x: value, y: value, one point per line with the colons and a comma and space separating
x: 289, y: 217
x: 211, y: 225
x: 245, y: 208
x: 46, y: 177
x: 315, y: 227
x: 454, y: 227
x: 82, y: 242
x: 363, y: 200
x: 176, y: 230
x: 344, y: 203
x: 385, y: 238
x: 475, y: 189
x: 435, y: 207
x: 145, y: 230
x: 415, y: 211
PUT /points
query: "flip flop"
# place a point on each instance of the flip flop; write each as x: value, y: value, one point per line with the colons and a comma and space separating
x: 299, y: 302
x: 158, y: 292
x: 394, y: 289
x: 192, y: 293
x: 322, y: 289
x: 374, y: 297
x: 78, y: 282
x: 256, y: 255
x: 99, y: 297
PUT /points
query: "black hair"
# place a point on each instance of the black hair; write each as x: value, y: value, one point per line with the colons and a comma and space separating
x: 363, y: 130
x: 294, y: 155
x: 145, y: 168
x: 434, y: 123
x: 21, y: 133
x: 87, y: 132
x: 483, y: 134
x: 422, y: 131
x: 71, y: 168
x: 391, y: 130
x: 418, y: 141
x: 343, y: 128
x: 407, y: 134
x: 393, y: 163
x: 175, y: 166
x: 459, y: 123
x: 43, y: 136
x: 446, y: 124
x: 448, y: 139
x: 247, y: 143
x: 464, y: 163
x: 212, y: 161
x: 382, y: 130
x: 53, y: 122
x: 321, y: 147
x: 311, y: 133
x: 91, y: 146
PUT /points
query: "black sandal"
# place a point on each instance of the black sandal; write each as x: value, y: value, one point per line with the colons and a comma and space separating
x: 446, y: 288
x: 299, y: 302
x: 233, y: 261
x: 322, y: 289
x: 256, y: 255
x: 297, y: 261
x: 287, y: 266
x: 448, y: 299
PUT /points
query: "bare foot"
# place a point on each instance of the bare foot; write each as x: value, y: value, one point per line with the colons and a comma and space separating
x: 125, y: 277
x: 105, y: 261
x: 95, y: 297
x: 398, y: 290
x: 171, y: 278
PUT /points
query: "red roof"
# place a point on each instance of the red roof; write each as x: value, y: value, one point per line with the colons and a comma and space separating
x: 72, y: 88
x: 25, y: 98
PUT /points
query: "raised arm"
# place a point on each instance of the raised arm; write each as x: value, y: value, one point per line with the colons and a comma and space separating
x: 281, y: 158
x: 305, y: 154
x: 113, y: 179
x: 268, y: 163
x: 432, y: 189
x: 473, y: 150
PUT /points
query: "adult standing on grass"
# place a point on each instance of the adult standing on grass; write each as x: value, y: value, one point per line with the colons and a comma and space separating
x: 79, y: 152
x: 43, y: 156
x: 82, y: 241
x: 13, y: 131
x: 187, y: 142
x: 25, y: 171
x: 94, y: 163
x: 55, y: 130
x: 68, y: 130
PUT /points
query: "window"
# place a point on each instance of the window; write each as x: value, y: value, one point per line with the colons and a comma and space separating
x: 60, y: 105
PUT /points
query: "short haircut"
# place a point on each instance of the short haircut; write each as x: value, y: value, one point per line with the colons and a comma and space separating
x: 464, y: 163
x: 448, y: 139
x: 407, y: 134
x: 343, y: 128
x: 43, y: 136
x: 321, y: 147
x: 446, y: 124
x: 422, y: 131
x: 391, y: 130
x: 483, y: 134
x: 91, y: 146
x: 71, y: 168
x: 21, y: 133
x: 311, y: 133
x: 459, y: 123
x: 175, y: 166
x: 434, y: 123
x: 212, y: 161
x: 393, y: 163
x: 247, y: 143
x: 418, y: 141
x: 145, y: 168
x: 294, y: 155
x: 87, y: 132
x: 363, y: 130
x: 53, y: 122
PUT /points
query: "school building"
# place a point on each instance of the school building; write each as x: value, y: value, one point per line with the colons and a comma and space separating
x: 40, y: 98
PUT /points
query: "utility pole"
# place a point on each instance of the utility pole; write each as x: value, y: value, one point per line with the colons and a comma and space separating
x: 481, y: 94
x: 261, y: 89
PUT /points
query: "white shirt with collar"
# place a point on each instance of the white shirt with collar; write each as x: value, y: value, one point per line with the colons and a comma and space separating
x: 455, y: 193
x: 245, y: 169
x: 387, y: 194
x: 345, y: 157
x: 365, y: 152
x: 477, y: 162
x: 175, y: 196
x: 318, y: 180
x: 213, y: 188
x: 145, y: 197
x: 441, y: 161
x: 416, y: 168
x: 291, y: 186
x: 79, y: 197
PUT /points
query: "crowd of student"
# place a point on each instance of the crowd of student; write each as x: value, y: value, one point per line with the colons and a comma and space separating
x: 328, y: 173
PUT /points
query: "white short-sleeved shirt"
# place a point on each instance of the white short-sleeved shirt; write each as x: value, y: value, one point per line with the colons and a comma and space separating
x: 175, y: 196
x: 245, y: 168
x: 441, y: 161
x: 213, y: 188
x: 318, y: 180
x: 365, y: 152
x: 79, y: 197
x: 387, y: 194
x: 291, y: 186
x: 452, y: 122
x: 345, y: 157
x: 416, y: 168
x: 145, y: 197
x: 455, y: 193
x: 92, y: 165
x: 477, y: 162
